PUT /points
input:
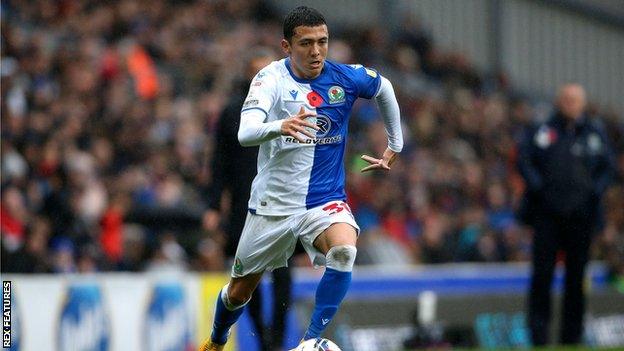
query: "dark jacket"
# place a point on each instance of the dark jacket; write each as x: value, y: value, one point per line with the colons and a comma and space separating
x: 567, y: 166
x: 233, y: 166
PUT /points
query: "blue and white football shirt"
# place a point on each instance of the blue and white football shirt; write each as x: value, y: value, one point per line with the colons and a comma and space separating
x: 294, y: 176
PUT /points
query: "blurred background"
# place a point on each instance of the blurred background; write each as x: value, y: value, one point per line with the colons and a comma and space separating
x: 109, y: 112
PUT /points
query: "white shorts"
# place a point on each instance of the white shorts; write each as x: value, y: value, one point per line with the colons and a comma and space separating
x: 267, y: 242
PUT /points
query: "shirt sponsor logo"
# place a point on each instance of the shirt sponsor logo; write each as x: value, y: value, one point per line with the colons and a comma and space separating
x: 324, y: 125
x: 336, y: 95
x: 316, y: 141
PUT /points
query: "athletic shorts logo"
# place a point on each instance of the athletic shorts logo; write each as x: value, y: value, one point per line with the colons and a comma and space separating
x: 238, y: 266
x: 336, y: 95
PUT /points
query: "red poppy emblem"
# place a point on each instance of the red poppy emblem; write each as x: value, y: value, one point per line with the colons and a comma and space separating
x: 314, y: 99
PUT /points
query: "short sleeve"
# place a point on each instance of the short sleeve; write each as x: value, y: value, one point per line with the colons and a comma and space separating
x: 261, y: 94
x: 366, y: 79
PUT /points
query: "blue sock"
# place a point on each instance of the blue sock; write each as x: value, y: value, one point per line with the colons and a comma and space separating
x: 329, y: 294
x: 224, y: 318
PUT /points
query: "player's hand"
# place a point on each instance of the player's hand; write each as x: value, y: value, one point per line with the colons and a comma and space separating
x: 384, y: 163
x: 297, y: 124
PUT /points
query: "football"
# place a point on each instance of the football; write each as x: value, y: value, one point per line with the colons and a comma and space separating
x: 318, y: 344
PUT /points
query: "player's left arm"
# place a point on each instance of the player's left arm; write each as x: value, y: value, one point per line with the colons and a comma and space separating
x: 389, y: 109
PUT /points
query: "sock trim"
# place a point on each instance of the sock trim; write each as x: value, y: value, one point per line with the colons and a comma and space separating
x: 226, y: 300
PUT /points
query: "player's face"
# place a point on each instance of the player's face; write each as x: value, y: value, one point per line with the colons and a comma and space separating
x: 307, y: 50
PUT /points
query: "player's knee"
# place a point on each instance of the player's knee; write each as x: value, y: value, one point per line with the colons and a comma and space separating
x: 341, y: 257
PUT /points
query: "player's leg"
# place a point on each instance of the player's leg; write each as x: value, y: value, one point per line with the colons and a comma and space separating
x: 230, y: 305
x: 264, y: 245
x: 337, y: 243
x: 241, y: 285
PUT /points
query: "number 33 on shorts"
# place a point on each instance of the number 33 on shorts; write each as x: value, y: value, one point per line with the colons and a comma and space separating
x: 336, y: 207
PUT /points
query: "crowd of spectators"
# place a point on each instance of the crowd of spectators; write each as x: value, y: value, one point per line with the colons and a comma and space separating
x: 108, y: 118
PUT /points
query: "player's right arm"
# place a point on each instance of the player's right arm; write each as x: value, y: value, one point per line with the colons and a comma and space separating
x: 254, y: 130
x: 255, y: 126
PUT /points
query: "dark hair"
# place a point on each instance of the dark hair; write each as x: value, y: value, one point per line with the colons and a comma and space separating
x: 301, y: 16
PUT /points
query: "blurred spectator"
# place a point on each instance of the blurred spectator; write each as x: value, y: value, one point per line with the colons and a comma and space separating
x: 611, y: 245
x: 134, y: 249
x: 13, y: 219
x: 567, y: 164
x: 63, y: 251
x: 33, y: 256
x: 168, y: 255
x: 111, y: 235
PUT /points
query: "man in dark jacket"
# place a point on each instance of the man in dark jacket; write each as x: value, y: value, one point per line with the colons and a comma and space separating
x: 233, y: 169
x: 567, y: 165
